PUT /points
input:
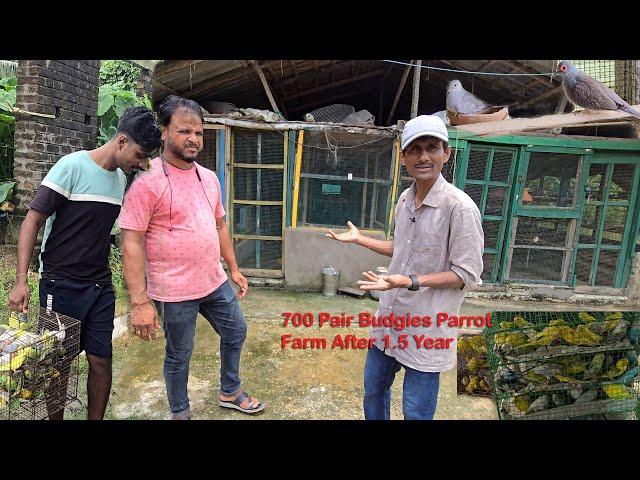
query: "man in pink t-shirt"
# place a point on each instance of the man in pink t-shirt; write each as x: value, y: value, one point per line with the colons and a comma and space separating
x: 173, y: 227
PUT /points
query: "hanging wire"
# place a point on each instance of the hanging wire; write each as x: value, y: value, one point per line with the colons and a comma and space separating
x: 471, y: 72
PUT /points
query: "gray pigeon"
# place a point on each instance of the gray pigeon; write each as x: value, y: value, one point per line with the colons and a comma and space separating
x: 459, y: 101
x: 590, y: 94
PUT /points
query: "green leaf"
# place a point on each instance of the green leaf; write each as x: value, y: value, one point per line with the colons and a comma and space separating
x: 105, y: 99
x: 6, y: 99
x: 123, y: 102
x: 6, y: 190
x: 8, y: 83
x: 8, y: 119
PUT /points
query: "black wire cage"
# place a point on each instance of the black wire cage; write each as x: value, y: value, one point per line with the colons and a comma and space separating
x: 565, y: 365
x: 39, y: 364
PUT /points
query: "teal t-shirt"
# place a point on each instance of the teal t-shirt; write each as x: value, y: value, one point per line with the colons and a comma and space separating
x: 83, y: 201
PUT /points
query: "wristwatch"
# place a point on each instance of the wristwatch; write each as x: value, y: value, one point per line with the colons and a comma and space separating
x: 415, y: 284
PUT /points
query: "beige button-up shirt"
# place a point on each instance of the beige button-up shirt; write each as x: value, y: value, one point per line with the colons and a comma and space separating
x: 444, y: 233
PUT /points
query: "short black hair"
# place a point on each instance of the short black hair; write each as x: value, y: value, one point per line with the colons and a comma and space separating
x: 139, y: 123
x: 172, y: 103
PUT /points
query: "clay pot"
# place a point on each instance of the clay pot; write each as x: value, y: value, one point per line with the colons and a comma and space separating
x: 494, y: 115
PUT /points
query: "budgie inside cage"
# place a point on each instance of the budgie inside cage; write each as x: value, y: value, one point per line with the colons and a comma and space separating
x: 565, y: 365
x: 38, y: 364
x: 473, y: 375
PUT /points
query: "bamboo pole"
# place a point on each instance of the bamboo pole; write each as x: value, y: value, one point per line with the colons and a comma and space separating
x: 416, y: 89
x: 403, y: 80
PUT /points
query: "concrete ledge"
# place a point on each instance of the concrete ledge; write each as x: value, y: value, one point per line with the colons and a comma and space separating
x: 307, y: 250
x: 551, y: 292
x: 277, y: 283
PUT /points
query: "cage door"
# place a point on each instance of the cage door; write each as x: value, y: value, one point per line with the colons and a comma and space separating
x: 258, y: 200
x: 610, y: 189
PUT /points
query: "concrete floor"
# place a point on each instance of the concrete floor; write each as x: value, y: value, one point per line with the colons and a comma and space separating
x: 295, y: 384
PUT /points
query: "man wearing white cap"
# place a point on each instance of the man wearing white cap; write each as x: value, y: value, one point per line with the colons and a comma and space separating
x: 436, y: 256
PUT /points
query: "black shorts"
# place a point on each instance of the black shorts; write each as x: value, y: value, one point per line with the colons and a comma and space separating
x: 91, y: 303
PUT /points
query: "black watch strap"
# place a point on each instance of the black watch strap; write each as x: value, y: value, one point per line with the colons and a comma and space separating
x: 415, y: 284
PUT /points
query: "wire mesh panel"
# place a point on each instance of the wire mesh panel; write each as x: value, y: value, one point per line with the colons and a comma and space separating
x: 607, y: 216
x: 345, y: 177
x: 551, y: 179
x: 38, y: 365
x: 544, y: 238
x: 540, y: 248
x: 564, y: 365
x: 488, y: 181
x: 208, y: 156
x: 258, y: 181
x: 622, y: 76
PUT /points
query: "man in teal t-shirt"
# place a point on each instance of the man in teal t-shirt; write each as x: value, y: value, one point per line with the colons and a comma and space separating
x: 80, y: 199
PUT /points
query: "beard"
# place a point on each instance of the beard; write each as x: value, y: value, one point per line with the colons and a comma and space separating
x: 180, y: 153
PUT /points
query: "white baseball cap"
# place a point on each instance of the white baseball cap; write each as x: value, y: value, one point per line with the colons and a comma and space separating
x: 423, y: 126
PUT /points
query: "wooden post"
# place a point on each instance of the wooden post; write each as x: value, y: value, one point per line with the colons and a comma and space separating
x: 305, y: 200
x: 403, y: 80
x: 416, y: 89
x: 395, y: 183
x: 562, y: 104
x: 296, y: 180
x: 627, y: 84
x: 266, y: 86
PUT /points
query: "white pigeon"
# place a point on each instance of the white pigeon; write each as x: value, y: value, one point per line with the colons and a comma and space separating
x: 459, y: 101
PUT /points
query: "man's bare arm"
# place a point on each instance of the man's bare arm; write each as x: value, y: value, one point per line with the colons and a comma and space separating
x: 19, y: 296
x: 144, y: 321
x: 226, y: 251
x: 383, y: 247
x: 433, y: 280
x: 133, y: 259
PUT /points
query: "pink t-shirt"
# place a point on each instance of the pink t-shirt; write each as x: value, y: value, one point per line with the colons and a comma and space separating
x: 182, y: 249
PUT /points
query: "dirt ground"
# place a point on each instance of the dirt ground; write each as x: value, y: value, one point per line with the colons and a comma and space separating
x: 300, y: 384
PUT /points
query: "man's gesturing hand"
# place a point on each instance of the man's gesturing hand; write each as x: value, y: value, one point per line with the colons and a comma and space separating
x: 352, y: 236
x: 383, y: 282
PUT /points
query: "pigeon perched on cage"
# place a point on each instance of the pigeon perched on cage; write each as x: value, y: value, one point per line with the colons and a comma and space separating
x: 587, y: 92
x: 460, y: 101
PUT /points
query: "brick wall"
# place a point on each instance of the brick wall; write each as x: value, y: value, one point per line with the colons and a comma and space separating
x: 67, y: 89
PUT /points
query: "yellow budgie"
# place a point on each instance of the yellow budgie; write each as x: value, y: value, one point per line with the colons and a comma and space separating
x: 586, y: 318
x: 595, y: 367
x: 618, y: 369
x: 473, y: 384
x: 522, y: 403
x: 617, y: 391
x: 521, y: 322
x: 586, y: 337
